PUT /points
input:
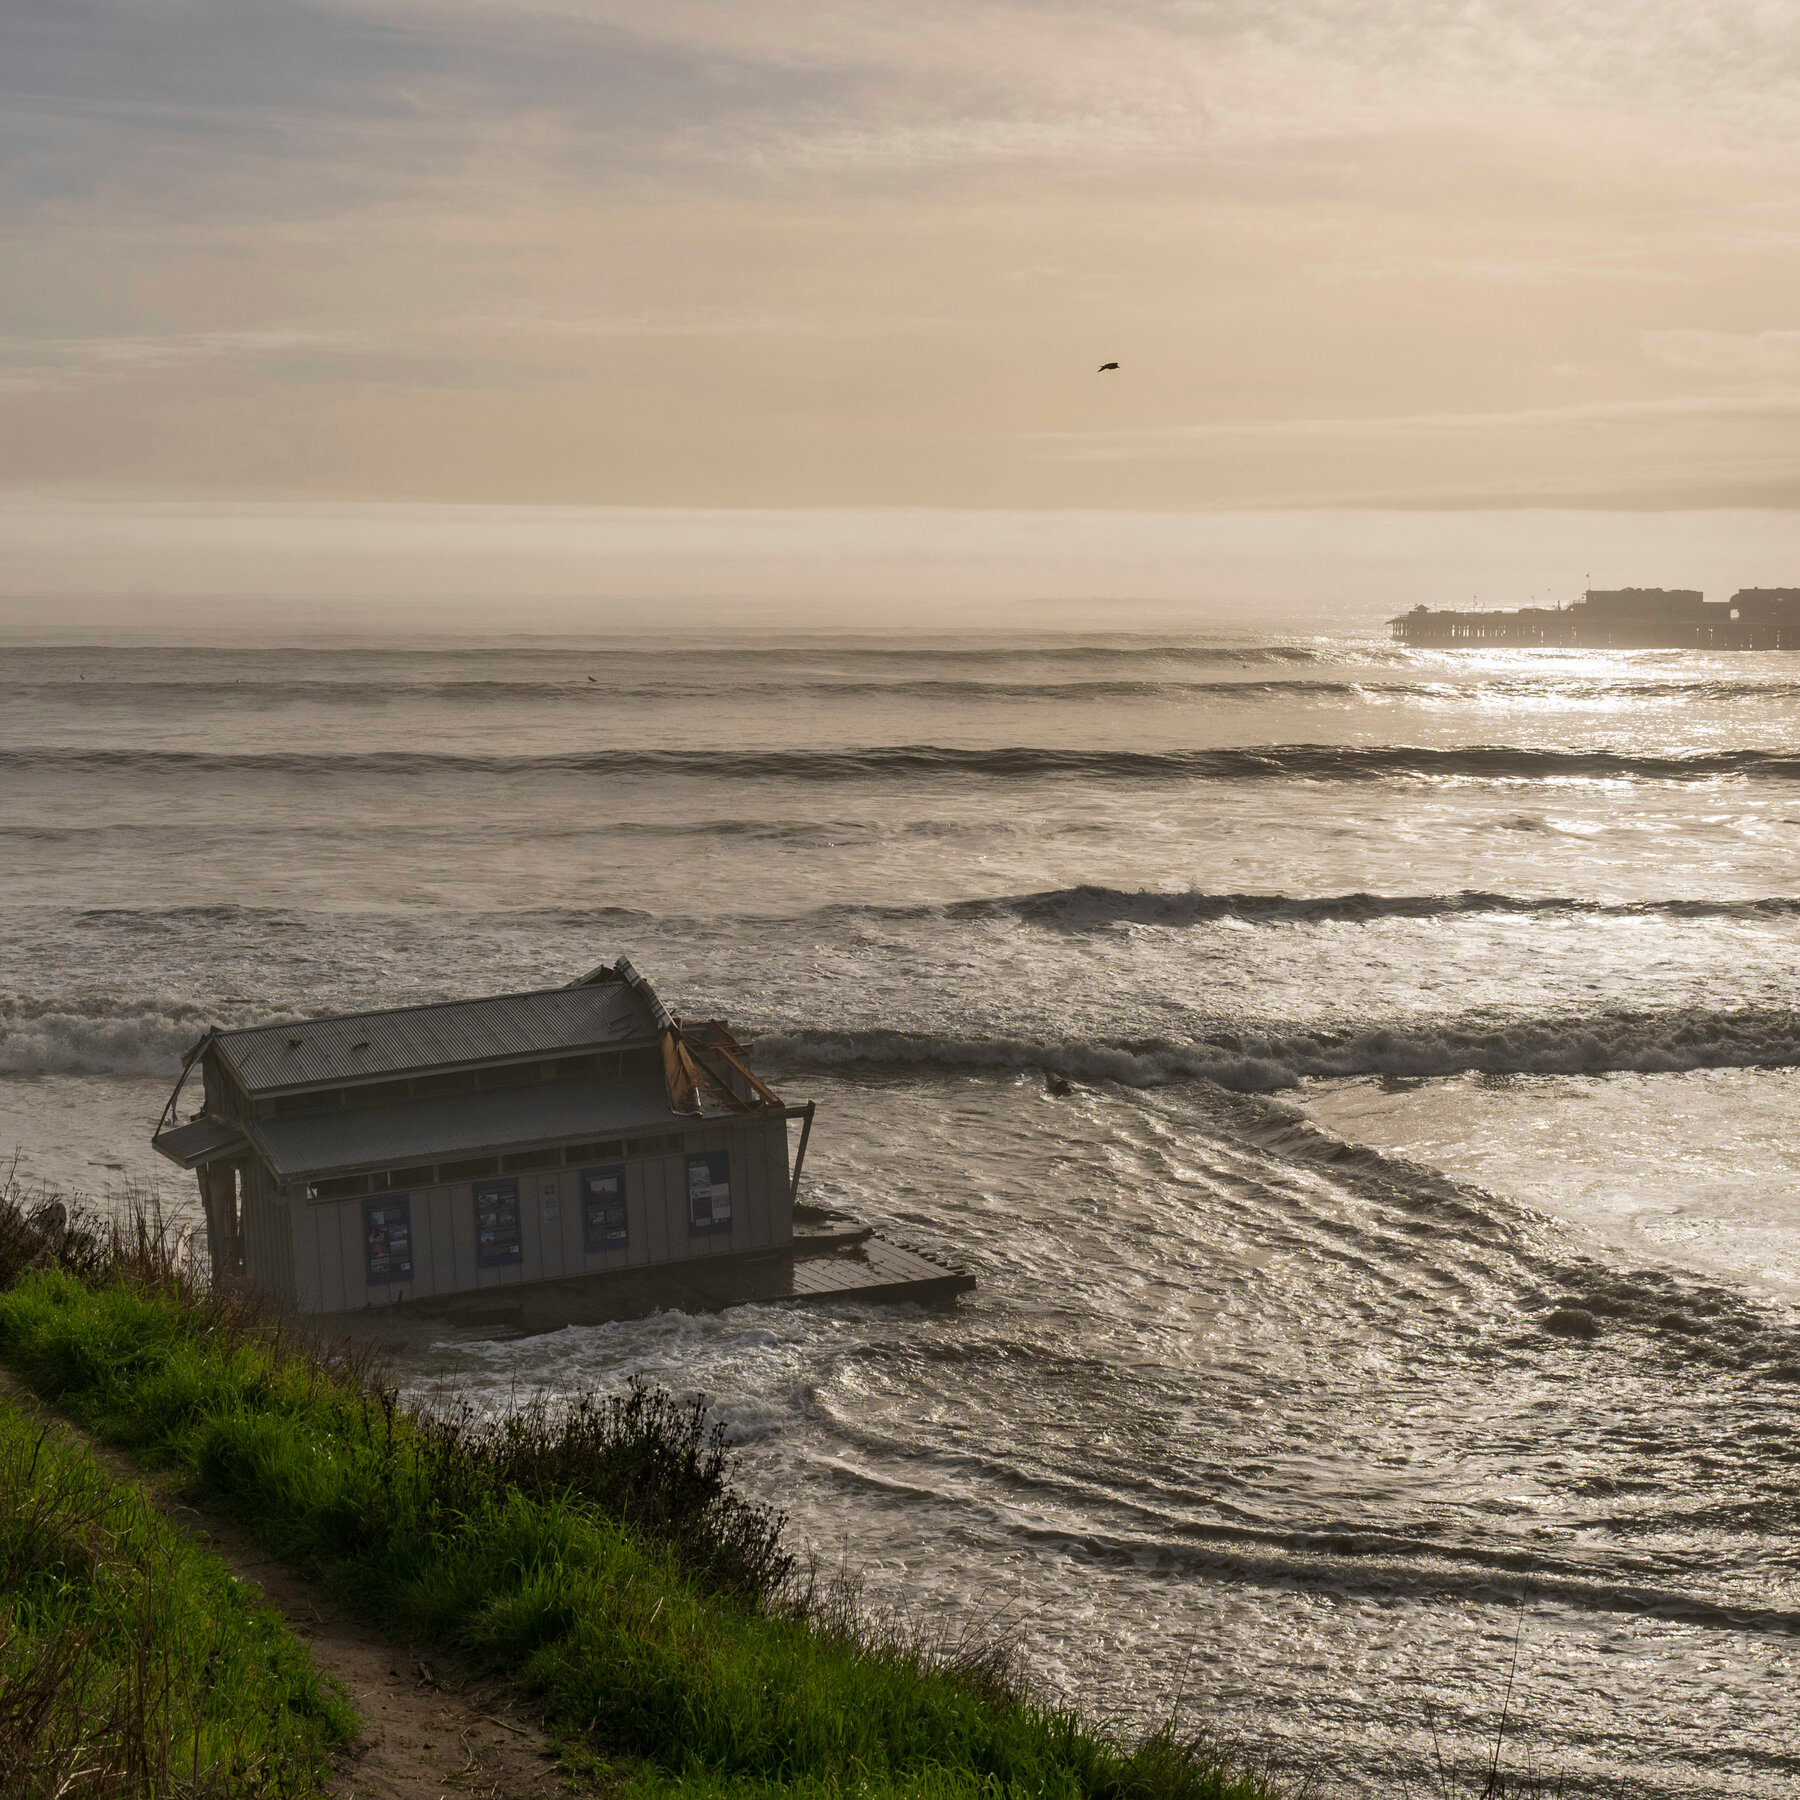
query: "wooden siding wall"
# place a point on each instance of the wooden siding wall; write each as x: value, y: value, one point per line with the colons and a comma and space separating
x: 268, y: 1232
x: 328, y: 1264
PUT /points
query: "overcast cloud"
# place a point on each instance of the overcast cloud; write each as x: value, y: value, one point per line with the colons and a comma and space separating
x: 834, y: 254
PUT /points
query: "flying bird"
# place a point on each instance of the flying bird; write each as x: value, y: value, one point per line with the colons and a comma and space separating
x: 1104, y: 367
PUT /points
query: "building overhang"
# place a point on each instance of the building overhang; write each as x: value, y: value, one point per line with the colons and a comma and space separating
x: 473, y: 1065
x: 456, y: 1127
x: 201, y: 1141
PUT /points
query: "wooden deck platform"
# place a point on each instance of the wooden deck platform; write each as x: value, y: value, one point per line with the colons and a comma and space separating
x: 821, y: 1267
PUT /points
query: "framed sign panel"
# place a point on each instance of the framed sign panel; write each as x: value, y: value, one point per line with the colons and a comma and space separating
x: 387, y: 1240
x: 709, y: 1192
x: 604, y: 1224
x: 497, y: 1238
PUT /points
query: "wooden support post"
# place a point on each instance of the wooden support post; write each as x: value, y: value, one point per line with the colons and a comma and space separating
x: 224, y: 1222
x: 800, y: 1154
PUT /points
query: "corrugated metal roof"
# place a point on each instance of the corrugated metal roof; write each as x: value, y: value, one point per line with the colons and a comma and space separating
x: 200, y: 1140
x: 451, y: 1034
x: 453, y: 1125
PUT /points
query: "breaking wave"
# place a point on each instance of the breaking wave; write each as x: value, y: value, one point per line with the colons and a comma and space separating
x: 1261, y: 1062
x: 532, y: 830
x: 689, y: 654
x: 616, y: 684
x: 1316, y: 762
x: 365, y: 693
x: 1090, y: 907
x: 1085, y: 908
x: 97, y: 1037
x: 147, y: 1036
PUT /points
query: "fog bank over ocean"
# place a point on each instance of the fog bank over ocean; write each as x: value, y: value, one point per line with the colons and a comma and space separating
x: 272, y: 572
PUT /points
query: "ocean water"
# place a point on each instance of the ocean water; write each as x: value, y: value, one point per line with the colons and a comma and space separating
x: 1402, y: 1303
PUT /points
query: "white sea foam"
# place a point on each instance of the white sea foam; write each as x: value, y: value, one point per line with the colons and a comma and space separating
x: 97, y: 1037
x: 137, y: 1037
x: 1258, y: 1062
x: 1002, y: 764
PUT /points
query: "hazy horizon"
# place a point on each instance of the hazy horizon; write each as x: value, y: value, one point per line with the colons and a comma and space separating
x: 258, y: 571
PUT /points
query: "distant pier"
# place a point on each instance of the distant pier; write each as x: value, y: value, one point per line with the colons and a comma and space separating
x: 1619, y: 619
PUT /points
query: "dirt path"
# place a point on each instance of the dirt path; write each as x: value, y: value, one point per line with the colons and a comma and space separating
x: 427, y: 1734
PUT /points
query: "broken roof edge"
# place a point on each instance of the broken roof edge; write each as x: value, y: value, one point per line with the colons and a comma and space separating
x: 665, y: 1020
x: 598, y: 976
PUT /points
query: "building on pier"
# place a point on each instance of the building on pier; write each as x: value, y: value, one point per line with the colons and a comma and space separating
x: 1618, y: 619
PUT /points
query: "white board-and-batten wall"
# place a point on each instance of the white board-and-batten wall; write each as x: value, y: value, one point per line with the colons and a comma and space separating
x: 329, y: 1266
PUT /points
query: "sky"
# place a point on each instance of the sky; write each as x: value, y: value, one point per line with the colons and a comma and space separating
x: 1351, y: 256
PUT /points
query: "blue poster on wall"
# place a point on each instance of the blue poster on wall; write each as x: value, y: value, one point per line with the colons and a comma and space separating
x: 497, y: 1239
x: 709, y: 1192
x: 604, y: 1224
x: 387, y: 1240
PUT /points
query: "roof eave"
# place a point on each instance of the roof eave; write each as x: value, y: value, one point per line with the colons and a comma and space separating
x: 469, y: 1153
x: 327, y: 1082
x: 517, y: 1146
x: 227, y: 1151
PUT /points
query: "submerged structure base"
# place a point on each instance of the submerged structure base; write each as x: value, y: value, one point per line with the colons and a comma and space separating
x: 817, y: 1267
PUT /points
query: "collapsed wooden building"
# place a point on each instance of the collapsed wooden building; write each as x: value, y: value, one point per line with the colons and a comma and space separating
x: 544, y: 1142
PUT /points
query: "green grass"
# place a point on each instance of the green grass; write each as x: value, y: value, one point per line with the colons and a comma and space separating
x: 132, y: 1663
x: 633, y: 1652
